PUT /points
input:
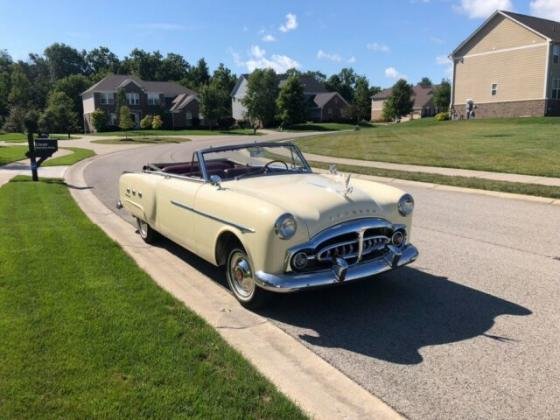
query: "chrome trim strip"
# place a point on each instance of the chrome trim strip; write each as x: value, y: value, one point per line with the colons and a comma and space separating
x: 242, y: 228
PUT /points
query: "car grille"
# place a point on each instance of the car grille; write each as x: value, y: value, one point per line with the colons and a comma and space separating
x: 350, y: 249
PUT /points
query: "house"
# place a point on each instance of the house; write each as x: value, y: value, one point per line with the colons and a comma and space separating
x: 322, y: 104
x: 180, y: 105
x: 423, y: 103
x: 508, y: 67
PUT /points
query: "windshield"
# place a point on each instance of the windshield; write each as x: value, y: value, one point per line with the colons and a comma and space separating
x: 254, y: 160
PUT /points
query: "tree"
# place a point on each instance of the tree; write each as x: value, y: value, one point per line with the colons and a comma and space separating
x: 101, y: 61
x: 143, y: 64
x: 99, y: 119
x: 20, y: 91
x: 121, y: 99
x: 374, y: 90
x: 212, y: 99
x: 146, y: 122
x: 63, y: 60
x: 291, y: 102
x: 343, y: 83
x: 172, y: 67
x: 442, y: 96
x: 317, y: 75
x: 362, y: 99
x: 125, y: 120
x: 225, y: 80
x: 400, y: 102
x: 14, y: 122
x: 197, y: 76
x: 59, y: 115
x: 73, y: 86
x: 5, y: 74
x: 260, y: 100
x: 157, y: 122
x: 425, y: 82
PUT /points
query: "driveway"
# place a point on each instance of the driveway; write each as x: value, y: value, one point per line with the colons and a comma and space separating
x: 471, y: 330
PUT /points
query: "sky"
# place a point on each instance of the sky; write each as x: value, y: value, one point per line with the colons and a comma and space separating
x: 381, y: 39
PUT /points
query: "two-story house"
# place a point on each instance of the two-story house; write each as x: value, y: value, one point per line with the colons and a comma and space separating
x: 143, y: 98
x: 322, y: 104
x: 508, y: 67
x: 423, y: 104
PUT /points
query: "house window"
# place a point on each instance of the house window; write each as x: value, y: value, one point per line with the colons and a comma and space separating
x: 107, y: 98
x: 494, y: 89
x: 189, y: 115
x: 556, y: 89
x: 153, y: 98
x: 133, y: 98
x: 556, y: 54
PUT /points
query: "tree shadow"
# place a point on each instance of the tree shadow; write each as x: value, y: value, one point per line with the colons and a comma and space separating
x: 394, y: 315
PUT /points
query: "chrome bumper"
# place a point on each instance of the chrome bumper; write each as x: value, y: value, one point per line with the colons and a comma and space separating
x: 292, y: 282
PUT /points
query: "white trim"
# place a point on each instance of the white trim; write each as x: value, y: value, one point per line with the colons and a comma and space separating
x: 492, y: 89
x: 487, y: 21
x: 547, y: 71
x: 503, y: 50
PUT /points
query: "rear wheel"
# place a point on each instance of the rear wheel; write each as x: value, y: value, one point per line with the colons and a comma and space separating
x: 241, y: 279
x: 146, y: 232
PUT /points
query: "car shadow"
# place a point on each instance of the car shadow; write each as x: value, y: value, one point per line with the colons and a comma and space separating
x: 389, y: 317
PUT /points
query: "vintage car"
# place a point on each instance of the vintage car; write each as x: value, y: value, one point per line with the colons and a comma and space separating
x: 276, y: 226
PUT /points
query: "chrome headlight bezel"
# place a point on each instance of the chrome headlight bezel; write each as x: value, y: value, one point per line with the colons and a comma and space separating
x: 406, y: 205
x: 285, y: 226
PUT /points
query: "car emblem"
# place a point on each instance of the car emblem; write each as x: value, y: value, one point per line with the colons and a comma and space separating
x: 349, y: 187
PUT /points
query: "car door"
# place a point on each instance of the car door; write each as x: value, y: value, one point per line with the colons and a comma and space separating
x: 175, y: 209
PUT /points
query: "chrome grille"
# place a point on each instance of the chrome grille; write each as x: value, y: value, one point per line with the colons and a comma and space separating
x: 351, y: 249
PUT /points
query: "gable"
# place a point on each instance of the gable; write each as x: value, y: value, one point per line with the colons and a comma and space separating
x: 499, y: 33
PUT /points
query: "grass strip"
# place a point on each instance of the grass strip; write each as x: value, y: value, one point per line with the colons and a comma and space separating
x: 86, y: 333
x: 146, y: 139
x: 456, y: 181
x: 185, y: 132
x: 77, y: 155
x: 10, y: 154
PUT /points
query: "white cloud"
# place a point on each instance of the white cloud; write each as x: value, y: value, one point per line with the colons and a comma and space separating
x: 444, y: 61
x: 377, y: 47
x: 322, y: 55
x: 548, y: 9
x: 258, y: 60
x: 393, y: 73
x: 483, y: 8
x: 268, y: 38
x: 290, y: 24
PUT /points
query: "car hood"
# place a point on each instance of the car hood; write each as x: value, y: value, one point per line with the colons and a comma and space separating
x: 318, y: 200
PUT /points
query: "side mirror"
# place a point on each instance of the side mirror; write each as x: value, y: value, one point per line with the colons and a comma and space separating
x: 216, y: 181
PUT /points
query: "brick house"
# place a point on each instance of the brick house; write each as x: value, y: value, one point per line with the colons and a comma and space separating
x: 180, y: 105
x: 422, y: 107
x: 323, y: 105
x: 508, y: 67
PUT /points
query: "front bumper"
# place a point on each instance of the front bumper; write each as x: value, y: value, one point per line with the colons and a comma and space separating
x: 292, y: 282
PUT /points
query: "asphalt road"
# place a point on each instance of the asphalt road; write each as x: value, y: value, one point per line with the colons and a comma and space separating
x: 471, y: 330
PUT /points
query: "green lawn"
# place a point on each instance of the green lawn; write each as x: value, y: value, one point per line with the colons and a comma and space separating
x: 522, y: 145
x: 86, y: 333
x: 327, y: 126
x: 11, y: 154
x: 77, y: 154
x: 456, y: 181
x: 193, y: 132
x: 138, y: 139
x: 20, y: 137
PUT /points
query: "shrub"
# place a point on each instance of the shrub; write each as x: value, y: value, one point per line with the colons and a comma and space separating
x: 99, y: 119
x: 157, y: 122
x: 146, y: 122
x: 225, y: 123
x: 442, y: 116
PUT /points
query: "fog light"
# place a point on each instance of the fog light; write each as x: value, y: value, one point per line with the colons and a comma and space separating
x: 398, y: 238
x: 299, y: 261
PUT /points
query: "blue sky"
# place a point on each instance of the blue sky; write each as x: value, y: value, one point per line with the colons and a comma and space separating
x: 381, y: 39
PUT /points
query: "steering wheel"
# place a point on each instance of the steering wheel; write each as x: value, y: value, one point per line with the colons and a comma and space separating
x: 266, y: 166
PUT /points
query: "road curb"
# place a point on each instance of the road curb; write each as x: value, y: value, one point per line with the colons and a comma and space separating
x: 318, y: 388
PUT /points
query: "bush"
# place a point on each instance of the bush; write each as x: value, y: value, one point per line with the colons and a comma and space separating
x: 146, y: 122
x: 442, y: 116
x: 157, y: 122
x: 225, y: 123
x: 99, y: 120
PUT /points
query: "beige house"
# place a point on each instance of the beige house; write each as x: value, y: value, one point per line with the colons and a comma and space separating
x: 422, y: 107
x: 509, y: 67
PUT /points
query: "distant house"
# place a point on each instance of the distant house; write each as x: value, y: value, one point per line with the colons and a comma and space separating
x: 322, y: 104
x: 508, y: 67
x: 143, y: 98
x: 423, y: 103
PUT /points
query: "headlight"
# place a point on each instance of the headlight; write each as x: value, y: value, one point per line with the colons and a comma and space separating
x: 286, y: 226
x: 406, y: 205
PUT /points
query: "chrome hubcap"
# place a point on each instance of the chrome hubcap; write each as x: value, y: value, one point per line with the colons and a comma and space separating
x: 241, y: 276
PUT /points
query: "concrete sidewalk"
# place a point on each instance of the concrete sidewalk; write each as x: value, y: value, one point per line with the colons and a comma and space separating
x: 493, y: 176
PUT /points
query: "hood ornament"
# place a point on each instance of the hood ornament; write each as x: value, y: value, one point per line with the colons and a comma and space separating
x: 349, y: 188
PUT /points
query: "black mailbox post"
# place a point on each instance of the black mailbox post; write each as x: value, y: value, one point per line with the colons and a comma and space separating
x: 41, y: 148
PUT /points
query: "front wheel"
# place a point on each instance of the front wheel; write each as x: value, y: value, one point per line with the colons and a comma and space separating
x: 241, y: 280
x: 146, y: 232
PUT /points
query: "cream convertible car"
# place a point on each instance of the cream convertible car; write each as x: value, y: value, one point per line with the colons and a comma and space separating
x: 260, y: 211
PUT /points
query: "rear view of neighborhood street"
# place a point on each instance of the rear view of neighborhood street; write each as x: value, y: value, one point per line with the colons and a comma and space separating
x: 315, y: 210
